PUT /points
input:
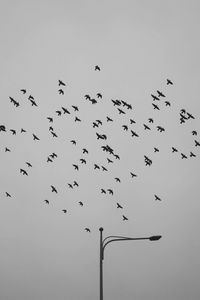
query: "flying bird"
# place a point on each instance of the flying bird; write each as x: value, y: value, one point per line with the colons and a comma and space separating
x: 121, y: 111
x: 28, y: 164
x: 133, y: 175
x: 134, y: 133
x: 23, y: 172
x: 60, y: 82
x: 58, y: 112
x: 85, y: 151
x: 155, y: 97
x: 197, y: 143
x: 75, y: 183
x: 119, y: 206
x: 157, y: 198
x: 97, y: 68
x: 46, y: 201
x: 167, y: 103
x: 190, y: 116
x: 117, y: 179
x: 116, y: 156
x: 109, y: 160
x: 13, y: 131
x: 125, y: 127
x: 73, y: 142
x: 77, y: 119
x: 109, y: 119
x: 156, y: 149
x: 103, y: 168
x: 23, y: 91
x: 110, y: 191
x: 23, y: 130
x: 53, y: 189
x: 150, y: 120
x: 65, y: 110
x: 54, y: 134
x: 99, y: 122
x: 49, y: 159
x: 7, y: 149
x: 125, y: 218
x: 8, y: 195
x: 75, y: 167
x: 94, y: 101
x: 30, y: 97
x: 160, y: 94
x: 146, y: 127
x: 87, y: 229
x: 132, y: 121
x: 103, y: 191
x: 194, y: 132
x: 87, y: 97
x: 160, y: 128
x: 169, y: 82
x: 99, y: 95
x: 82, y: 160
x: 96, y: 166
x: 33, y: 103
x: 80, y: 203
x: 70, y: 185
x: 75, y: 108
x: 174, y: 149
x: 192, y: 154
x: 35, y: 137
x: 64, y: 210
x: 61, y: 92
x: 95, y: 125
x: 183, y: 156
x: 50, y: 119
x: 155, y: 106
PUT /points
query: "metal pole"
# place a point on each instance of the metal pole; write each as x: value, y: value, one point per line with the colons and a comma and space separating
x: 101, y: 264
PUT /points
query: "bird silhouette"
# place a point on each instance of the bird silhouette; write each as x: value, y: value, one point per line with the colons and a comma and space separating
x: 99, y: 95
x: 157, y: 198
x: 58, y: 112
x: 33, y: 103
x: 30, y: 97
x: 160, y: 128
x: 82, y: 160
x: 147, y: 160
x: 7, y: 149
x: 190, y: 116
x: 121, y: 111
x: 50, y: 119
x: 134, y: 133
x: 60, y: 82
x: 75, y: 183
x: 104, y: 169
x: 80, y: 203
x: 64, y: 210
x: 167, y: 103
x: 23, y: 172
x: 49, y: 159
x: 75, y: 108
x: 70, y: 185
x: 160, y: 94
x: 155, y: 97
x: 174, y: 149
x: 65, y: 110
x: 194, y: 132
x: 23, y: 91
x: 8, y: 195
x: 103, y: 191
x: 183, y: 155
x: 77, y: 119
x: 110, y: 191
x: 117, y: 179
x: 54, y: 134
x: 156, y: 149
x: 116, y: 156
x: 87, y: 229
x: 192, y: 154
x: 23, y: 130
x: 99, y: 122
x: 13, y: 131
x: 61, y: 92
x: 146, y: 127
x: 109, y: 119
x: 97, y: 68
x: 155, y: 106
x: 132, y: 121
x: 76, y: 167
x: 46, y: 201
x: 96, y: 167
x: 109, y: 160
x: 99, y: 136
x: 125, y: 218
x: 53, y: 155
x: 53, y: 189
x: 133, y: 175
x: 150, y: 120
x: 116, y: 102
x: 73, y: 142
x: 93, y: 101
x: 169, y: 82
x: 3, y: 128
x: 95, y: 125
x: 35, y: 137
x: 197, y: 143
x: 125, y: 127
x: 119, y: 206
x: 85, y: 151
x: 87, y: 97
x: 28, y: 164
x: 50, y: 128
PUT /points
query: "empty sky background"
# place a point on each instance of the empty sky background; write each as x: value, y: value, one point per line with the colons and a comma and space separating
x: 46, y: 254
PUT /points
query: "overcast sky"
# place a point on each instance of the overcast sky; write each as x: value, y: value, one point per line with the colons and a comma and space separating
x: 47, y: 254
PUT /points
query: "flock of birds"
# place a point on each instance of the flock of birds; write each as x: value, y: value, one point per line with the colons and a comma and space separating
x: 121, y: 107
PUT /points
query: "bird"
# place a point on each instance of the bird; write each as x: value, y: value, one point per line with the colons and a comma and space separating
x: 75, y: 108
x: 167, y: 103
x: 121, y: 111
x: 110, y: 191
x: 150, y: 120
x: 96, y: 166
x: 50, y: 119
x: 54, y: 155
x: 54, y: 134
x: 75, y: 183
x: 70, y: 185
x: 46, y: 201
x: 77, y: 119
x: 160, y: 94
x: 23, y: 172
x: 85, y: 150
x: 109, y: 160
x: 157, y: 198
x: 169, y: 82
x: 87, y: 97
x: 155, y: 97
x: 58, y: 112
x: 194, y: 132
x: 116, y: 156
x: 155, y: 106
x: 73, y: 142
x: 60, y: 82
x: 13, y: 131
x: 109, y: 119
x: 35, y: 137
x: 94, y: 101
x: 82, y: 160
x: 103, y: 191
x: 116, y: 102
x: 146, y: 127
x: 174, y: 149
x: 7, y: 149
x: 117, y: 179
x: 80, y: 203
x: 65, y: 110
x: 104, y: 169
x: 53, y: 189
x: 119, y: 206
x: 33, y: 103
x: 95, y: 125
x: 125, y: 218
x: 61, y: 92
x: 132, y: 121
x: 133, y: 175
x: 23, y: 130
x: 134, y: 133
x: 156, y: 149
x: 64, y: 210
x: 87, y: 229
x: 8, y: 195
x: 99, y: 122
x: 183, y: 155
x: 28, y: 164
x: 125, y: 127
x: 50, y: 128
x: 99, y: 95
x: 197, y: 143
x: 190, y: 116
x: 99, y: 136
x: 3, y: 128
x: 192, y: 154
x: 23, y: 91
x: 30, y: 97
x: 160, y: 128
x: 97, y: 68
x: 76, y: 167
x: 49, y: 159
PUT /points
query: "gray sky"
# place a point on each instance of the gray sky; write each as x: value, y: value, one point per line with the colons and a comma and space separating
x: 46, y: 254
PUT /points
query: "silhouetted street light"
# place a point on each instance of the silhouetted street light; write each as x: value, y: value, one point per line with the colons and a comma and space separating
x: 114, y: 238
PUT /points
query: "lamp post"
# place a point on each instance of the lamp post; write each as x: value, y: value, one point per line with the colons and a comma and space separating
x: 114, y: 238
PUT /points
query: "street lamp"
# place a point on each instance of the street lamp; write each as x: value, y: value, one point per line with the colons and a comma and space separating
x: 114, y: 238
